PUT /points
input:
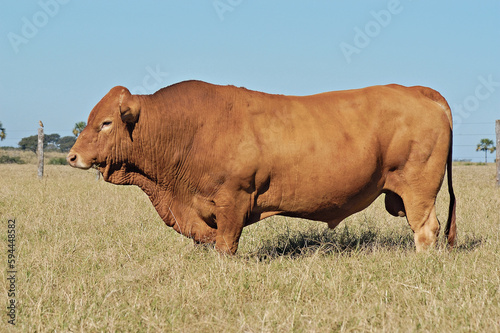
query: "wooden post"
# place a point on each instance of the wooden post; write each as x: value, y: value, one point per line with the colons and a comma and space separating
x: 497, y: 130
x: 40, y: 151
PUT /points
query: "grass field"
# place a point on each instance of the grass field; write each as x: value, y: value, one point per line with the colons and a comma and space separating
x: 92, y: 256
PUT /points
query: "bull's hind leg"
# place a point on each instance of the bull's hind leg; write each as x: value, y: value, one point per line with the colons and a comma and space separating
x: 421, y: 216
x: 418, y: 189
x: 418, y: 184
x: 422, y: 220
x: 414, y: 193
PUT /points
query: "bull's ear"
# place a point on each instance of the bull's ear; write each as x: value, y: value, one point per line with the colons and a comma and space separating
x: 130, y: 107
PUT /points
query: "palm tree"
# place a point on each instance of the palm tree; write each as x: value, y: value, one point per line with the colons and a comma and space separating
x: 2, y: 132
x: 485, y: 145
x: 79, y: 126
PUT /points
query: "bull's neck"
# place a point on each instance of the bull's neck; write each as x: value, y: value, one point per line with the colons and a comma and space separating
x: 161, y: 142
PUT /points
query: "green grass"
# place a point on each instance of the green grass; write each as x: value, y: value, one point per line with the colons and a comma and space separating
x: 58, y: 161
x: 6, y: 159
x: 96, y: 257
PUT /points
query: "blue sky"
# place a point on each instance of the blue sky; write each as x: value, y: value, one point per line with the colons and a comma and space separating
x: 58, y: 58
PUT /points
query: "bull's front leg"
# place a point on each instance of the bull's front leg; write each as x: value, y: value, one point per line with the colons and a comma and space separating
x: 231, y: 213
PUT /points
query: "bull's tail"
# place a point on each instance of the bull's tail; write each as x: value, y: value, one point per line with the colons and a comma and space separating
x: 450, y: 230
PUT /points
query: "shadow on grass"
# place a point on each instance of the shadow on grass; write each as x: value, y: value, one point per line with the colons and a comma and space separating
x: 470, y: 243
x: 323, y: 242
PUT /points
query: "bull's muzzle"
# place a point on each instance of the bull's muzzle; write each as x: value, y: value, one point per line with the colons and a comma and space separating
x: 76, y: 161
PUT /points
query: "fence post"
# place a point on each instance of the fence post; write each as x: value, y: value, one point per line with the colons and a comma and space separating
x: 497, y: 131
x: 40, y: 150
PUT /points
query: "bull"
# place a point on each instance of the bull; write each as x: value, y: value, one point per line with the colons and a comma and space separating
x: 214, y: 159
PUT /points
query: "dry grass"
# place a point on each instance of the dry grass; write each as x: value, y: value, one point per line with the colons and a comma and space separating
x: 29, y: 156
x: 96, y: 257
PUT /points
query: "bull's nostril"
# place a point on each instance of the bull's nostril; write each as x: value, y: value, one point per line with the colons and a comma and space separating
x: 72, y: 157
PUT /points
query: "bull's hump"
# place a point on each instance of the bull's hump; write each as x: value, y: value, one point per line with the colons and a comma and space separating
x: 117, y: 91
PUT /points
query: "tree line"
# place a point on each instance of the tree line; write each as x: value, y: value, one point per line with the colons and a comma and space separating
x: 52, y: 142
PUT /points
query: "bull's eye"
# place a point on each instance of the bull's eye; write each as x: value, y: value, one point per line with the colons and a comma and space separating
x: 105, y: 125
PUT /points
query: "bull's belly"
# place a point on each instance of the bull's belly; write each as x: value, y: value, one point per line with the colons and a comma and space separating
x: 321, y: 201
x: 334, y: 210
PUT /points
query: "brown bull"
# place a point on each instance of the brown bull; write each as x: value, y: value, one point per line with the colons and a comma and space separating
x: 214, y: 159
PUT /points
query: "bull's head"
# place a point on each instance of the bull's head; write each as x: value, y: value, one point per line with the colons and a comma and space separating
x: 108, y: 129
